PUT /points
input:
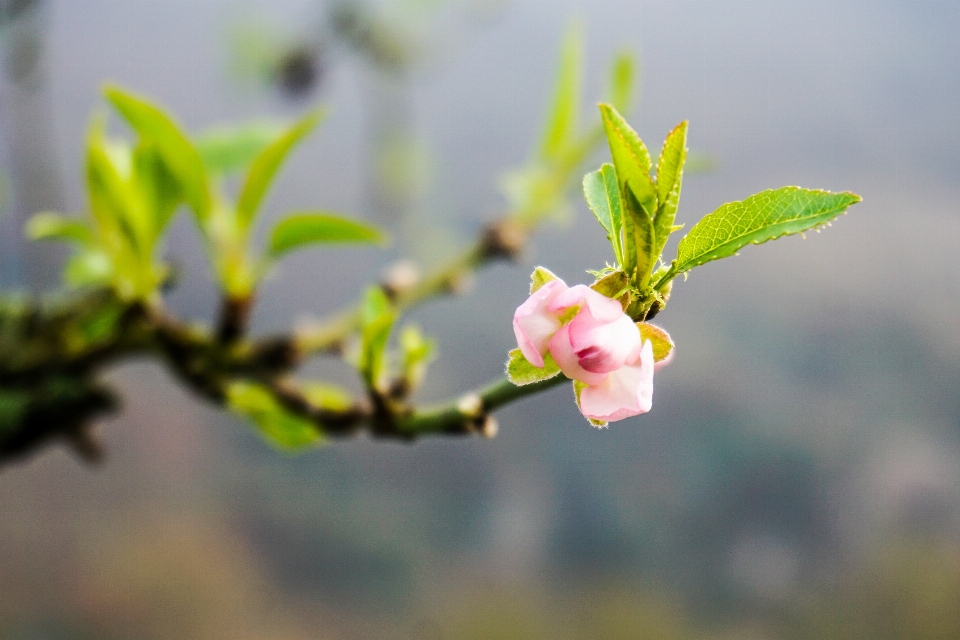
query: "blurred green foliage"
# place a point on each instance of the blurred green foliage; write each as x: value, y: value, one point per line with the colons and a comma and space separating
x: 136, y: 189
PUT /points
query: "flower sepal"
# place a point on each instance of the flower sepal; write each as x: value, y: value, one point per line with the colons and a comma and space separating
x: 522, y: 372
x: 615, y: 285
x: 540, y: 277
x: 662, y: 343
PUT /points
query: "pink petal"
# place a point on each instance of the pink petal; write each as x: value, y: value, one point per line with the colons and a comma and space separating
x: 602, y: 308
x: 624, y: 393
x: 534, y: 324
x: 601, y: 334
x: 602, y: 347
x: 562, y: 351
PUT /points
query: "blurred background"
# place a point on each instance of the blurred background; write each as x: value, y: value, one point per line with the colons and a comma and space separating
x: 799, y: 475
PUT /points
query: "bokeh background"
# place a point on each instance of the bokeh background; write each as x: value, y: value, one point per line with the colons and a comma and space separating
x: 799, y: 475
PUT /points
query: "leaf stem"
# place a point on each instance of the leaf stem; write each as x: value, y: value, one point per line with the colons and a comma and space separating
x: 667, y: 277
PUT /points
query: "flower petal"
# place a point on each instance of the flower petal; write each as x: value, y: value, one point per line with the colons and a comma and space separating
x: 602, y: 308
x: 563, y: 353
x: 601, y: 334
x: 534, y: 324
x: 603, y: 347
x: 624, y: 393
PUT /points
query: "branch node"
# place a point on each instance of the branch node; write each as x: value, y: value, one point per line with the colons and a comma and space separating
x: 279, y: 353
x: 503, y: 239
x: 234, y: 318
x: 457, y: 283
x: 470, y: 405
x: 399, y: 278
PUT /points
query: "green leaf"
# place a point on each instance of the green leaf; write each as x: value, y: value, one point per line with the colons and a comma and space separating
x: 638, y: 193
x: 540, y: 277
x: 111, y: 197
x: 53, y: 226
x: 602, y: 192
x: 375, y: 305
x: 765, y: 216
x: 378, y: 316
x: 161, y: 191
x: 303, y: 229
x: 630, y: 158
x: 562, y: 124
x: 179, y: 153
x: 662, y: 344
x: 521, y: 372
x: 103, y: 324
x: 327, y: 396
x: 418, y: 352
x: 578, y: 387
x: 276, y: 424
x: 621, y: 82
x: 266, y: 165
x: 88, y: 267
x: 229, y: 149
x: 669, y: 181
x: 640, y: 242
x: 671, y: 161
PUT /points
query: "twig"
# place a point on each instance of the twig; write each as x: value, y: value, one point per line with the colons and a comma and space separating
x: 471, y: 413
x: 501, y: 240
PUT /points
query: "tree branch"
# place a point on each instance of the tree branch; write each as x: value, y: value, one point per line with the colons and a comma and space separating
x: 471, y: 413
x: 504, y: 239
x: 41, y: 346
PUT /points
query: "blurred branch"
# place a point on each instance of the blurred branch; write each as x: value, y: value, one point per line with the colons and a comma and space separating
x: 501, y: 240
x: 536, y: 192
x: 50, y: 356
x: 51, y: 353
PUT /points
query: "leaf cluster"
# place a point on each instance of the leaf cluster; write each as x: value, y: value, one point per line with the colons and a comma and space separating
x: 538, y: 191
x: 636, y: 203
x: 135, y: 189
x: 222, y: 178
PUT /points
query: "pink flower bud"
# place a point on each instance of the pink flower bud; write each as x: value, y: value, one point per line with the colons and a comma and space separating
x: 594, y: 342
x: 599, y: 339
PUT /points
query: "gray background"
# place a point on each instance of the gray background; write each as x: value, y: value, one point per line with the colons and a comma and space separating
x: 798, y: 477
